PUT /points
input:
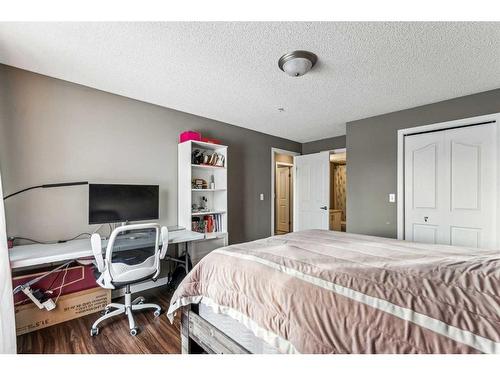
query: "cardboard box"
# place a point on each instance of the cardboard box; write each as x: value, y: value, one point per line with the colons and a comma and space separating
x: 76, y: 278
x: 70, y: 306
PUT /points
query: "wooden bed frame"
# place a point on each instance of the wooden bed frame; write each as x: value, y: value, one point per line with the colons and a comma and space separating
x: 199, y: 336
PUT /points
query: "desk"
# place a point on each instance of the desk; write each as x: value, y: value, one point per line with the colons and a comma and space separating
x: 40, y: 254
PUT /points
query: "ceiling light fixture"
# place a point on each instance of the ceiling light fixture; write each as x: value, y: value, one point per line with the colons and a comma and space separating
x: 297, y: 63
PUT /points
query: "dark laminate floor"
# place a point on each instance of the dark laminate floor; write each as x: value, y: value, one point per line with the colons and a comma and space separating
x: 156, y: 335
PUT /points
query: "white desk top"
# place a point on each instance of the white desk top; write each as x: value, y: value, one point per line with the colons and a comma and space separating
x: 38, y: 254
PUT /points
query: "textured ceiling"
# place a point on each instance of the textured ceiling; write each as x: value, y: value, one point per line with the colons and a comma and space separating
x: 228, y: 71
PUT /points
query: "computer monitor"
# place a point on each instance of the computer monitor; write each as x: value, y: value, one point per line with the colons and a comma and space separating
x: 114, y: 203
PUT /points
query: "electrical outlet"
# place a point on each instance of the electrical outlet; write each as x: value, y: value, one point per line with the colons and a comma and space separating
x: 392, y: 198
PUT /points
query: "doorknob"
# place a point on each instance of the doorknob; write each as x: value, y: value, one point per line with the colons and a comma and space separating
x: 324, y: 208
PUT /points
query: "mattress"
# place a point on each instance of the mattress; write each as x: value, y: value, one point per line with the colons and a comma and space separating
x: 236, y: 331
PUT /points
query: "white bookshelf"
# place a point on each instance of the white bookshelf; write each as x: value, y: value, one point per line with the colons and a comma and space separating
x: 217, y: 196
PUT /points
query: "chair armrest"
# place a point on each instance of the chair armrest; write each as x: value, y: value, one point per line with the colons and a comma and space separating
x: 164, y: 242
x: 95, y: 241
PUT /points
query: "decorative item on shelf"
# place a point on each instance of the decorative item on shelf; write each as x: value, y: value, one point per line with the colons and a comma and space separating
x: 210, y: 140
x: 199, y: 157
x: 202, y: 207
x: 189, y: 135
x: 220, y: 161
x: 212, y: 182
x: 208, y: 224
x: 199, y: 183
x: 203, y: 203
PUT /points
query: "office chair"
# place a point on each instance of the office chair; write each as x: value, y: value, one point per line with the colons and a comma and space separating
x: 117, y: 274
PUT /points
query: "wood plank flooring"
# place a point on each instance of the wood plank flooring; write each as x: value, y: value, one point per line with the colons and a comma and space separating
x: 156, y: 335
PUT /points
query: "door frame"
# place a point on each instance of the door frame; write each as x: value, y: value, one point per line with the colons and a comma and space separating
x: 273, y: 172
x: 288, y: 165
x: 470, y: 121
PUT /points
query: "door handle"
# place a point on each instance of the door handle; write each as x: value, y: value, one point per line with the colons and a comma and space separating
x: 324, y: 208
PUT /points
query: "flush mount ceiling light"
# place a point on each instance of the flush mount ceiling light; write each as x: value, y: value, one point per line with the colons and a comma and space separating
x: 297, y: 63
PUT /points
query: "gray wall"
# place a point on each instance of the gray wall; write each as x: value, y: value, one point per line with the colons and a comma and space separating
x: 372, y: 157
x: 324, y: 145
x: 52, y: 131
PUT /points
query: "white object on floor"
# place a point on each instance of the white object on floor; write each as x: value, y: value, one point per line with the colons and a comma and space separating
x: 312, y: 191
x: 116, y: 274
x: 450, y: 186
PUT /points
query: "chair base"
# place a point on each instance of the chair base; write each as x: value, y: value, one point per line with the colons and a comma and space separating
x: 127, y: 308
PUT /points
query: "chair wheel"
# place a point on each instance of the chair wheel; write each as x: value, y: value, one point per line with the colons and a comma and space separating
x: 94, y: 332
x: 157, y: 313
x: 138, y: 301
x: 134, y: 331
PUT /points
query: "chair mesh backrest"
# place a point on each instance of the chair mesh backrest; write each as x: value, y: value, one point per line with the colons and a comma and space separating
x: 133, y: 256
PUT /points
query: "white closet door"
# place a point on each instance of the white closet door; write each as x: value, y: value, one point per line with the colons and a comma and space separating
x: 450, y: 187
x: 425, y: 201
x: 471, y: 186
x: 312, y: 182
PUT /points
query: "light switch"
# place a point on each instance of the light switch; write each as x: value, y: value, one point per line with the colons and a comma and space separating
x: 392, y: 198
x: 261, y: 196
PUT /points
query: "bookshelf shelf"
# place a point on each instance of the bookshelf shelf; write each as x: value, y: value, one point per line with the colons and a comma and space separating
x: 188, y: 196
x: 208, y: 190
x: 206, y: 166
x: 207, y: 213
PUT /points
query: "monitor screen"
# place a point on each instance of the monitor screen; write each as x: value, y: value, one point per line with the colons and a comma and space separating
x: 120, y: 203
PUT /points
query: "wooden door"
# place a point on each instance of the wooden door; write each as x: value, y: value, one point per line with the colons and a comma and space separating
x: 312, y: 189
x: 283, y: 195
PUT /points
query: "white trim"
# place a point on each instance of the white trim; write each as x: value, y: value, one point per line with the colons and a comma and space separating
x: 286, y: 152
x: 339, y: 151
x: 459, y: 335
x: 425, y: 128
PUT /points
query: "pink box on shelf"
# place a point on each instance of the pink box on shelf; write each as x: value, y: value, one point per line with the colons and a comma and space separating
x: 190, y: 136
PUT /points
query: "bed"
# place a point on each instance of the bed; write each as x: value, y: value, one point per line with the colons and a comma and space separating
x: 320, y: 291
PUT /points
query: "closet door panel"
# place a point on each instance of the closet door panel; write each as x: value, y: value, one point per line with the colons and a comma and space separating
x: 468, y: 237
x: 465, y: 176
x: 472, y: 185
x: 424, y: 165
x: 425, y: 233
x: 424, y: 203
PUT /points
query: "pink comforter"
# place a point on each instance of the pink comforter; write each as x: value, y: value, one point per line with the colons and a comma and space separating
x: 330, y: 292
